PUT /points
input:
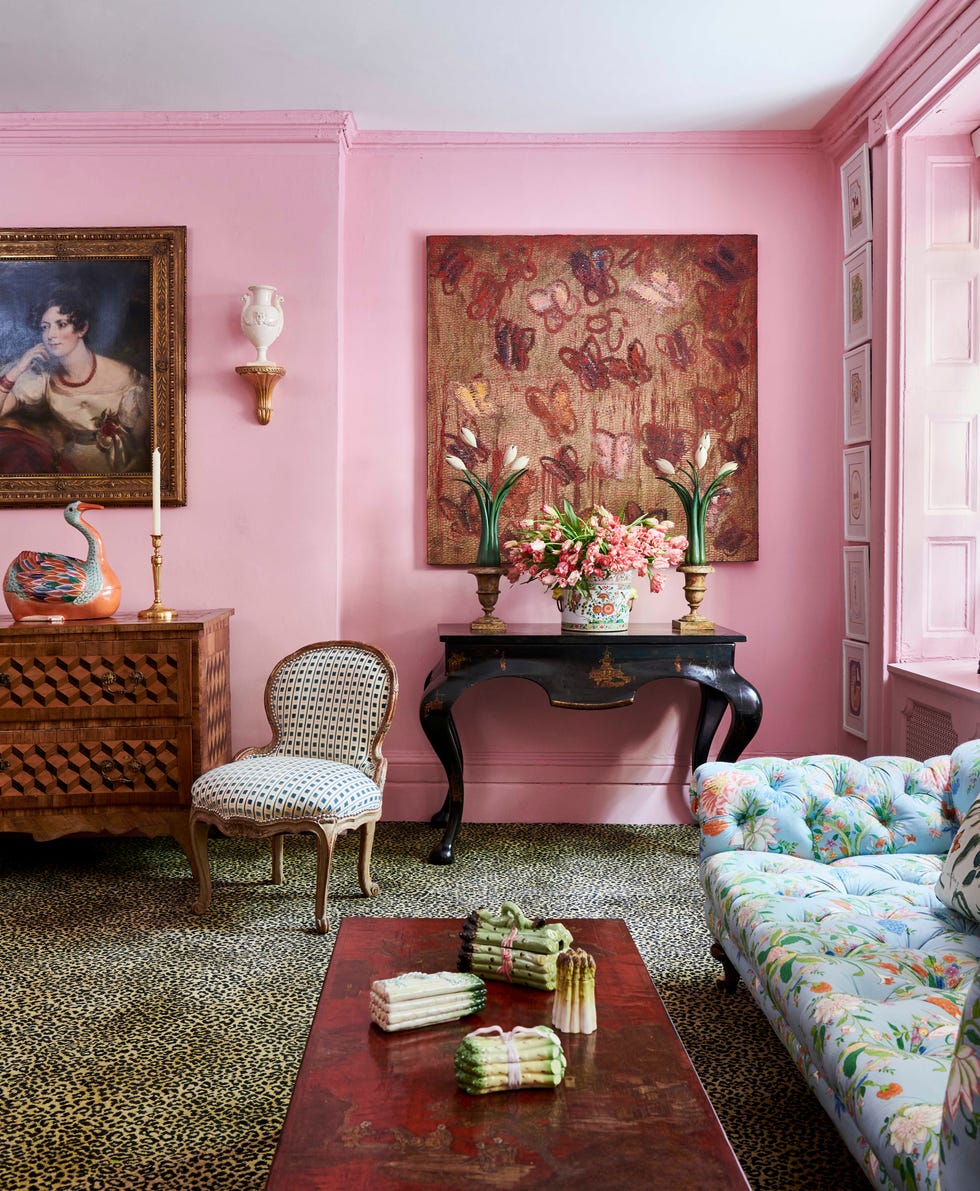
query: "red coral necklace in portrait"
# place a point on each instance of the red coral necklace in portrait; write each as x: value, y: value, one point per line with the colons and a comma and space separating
x: 77, y: 384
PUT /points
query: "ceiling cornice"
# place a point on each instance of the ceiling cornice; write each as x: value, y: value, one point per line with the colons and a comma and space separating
x: 20, y: 130
x: 923, y: 56
x: 765, y: 140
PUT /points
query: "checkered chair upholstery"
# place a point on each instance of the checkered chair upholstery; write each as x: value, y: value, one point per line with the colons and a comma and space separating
x: 329, y: 706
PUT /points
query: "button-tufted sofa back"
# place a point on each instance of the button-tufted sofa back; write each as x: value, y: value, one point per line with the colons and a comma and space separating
x: 826, y: 807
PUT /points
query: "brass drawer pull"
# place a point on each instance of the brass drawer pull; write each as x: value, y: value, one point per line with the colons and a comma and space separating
x: 110, y: 680
x: 5, y: 679
x: 126, y: 779
x: 4, y: 765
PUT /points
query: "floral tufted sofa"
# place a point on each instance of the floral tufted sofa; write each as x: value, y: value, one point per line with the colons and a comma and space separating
x: 819, y: 877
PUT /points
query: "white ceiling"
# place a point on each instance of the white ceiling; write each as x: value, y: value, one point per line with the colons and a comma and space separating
x: 557, y: 66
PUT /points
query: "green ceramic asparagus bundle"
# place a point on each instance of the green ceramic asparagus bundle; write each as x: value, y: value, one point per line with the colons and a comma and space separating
x: 573, y: 1010
x: 510, y: 946
x: 490, y: 1060
x: 416, y: 999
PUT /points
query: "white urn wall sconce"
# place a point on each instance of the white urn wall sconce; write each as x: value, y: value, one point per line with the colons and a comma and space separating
x: 262, y: 319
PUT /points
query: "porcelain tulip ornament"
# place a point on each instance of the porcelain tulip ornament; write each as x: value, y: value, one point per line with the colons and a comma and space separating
x: 262, y: 319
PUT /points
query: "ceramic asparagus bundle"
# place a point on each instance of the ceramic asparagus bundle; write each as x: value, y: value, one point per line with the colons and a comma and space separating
x: 489, y: 1060
x: 510, y: 946
x: 573, y: 1010
x: 416, y: 999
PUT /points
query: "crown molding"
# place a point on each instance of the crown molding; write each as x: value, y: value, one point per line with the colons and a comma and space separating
x: 931, y: 49
x: 28, y: 129
x: 768, y: 141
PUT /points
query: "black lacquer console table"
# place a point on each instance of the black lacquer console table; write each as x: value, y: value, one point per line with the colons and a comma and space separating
x: 587, y: 672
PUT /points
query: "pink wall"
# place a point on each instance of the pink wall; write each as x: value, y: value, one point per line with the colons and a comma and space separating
x: 258, y: 532
x: 524, y: 760
x: 276, y: 198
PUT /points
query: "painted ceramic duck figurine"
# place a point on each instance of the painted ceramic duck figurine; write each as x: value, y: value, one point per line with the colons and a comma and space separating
x: 44, y: 584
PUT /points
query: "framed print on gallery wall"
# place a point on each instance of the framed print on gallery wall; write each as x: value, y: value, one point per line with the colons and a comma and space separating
x: 857, y: 297
x: 855, y: 186
x: 857, y: 479
x: 857, y: 583
x: 855, y: 670
x: 857, y: 394
x: 92, y: 365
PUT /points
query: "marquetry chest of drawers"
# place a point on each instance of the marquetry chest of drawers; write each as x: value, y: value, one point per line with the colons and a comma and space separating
x: 104, y: 724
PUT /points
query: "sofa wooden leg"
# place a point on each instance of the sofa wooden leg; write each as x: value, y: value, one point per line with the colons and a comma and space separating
x: 728, y: 982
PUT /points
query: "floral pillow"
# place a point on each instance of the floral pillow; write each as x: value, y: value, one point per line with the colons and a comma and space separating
x: 959, y: 882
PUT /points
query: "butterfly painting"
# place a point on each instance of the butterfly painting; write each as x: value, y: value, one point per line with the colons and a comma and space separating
x: 564, y: 466
x: 592, y: 271
x: 512, y: 345
x: 451, y: 267
x: 678, y: 346
x: 656, y: 289
x: 553, y: 409
x: 594, y: 355
x: 613, y: 453
x: 555, y: 305
x: 474, y: 398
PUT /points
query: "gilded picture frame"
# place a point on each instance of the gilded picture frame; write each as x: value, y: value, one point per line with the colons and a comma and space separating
x: 92, y: 365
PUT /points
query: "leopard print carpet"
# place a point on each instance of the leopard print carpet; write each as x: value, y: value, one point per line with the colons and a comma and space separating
x: 146, y: 1048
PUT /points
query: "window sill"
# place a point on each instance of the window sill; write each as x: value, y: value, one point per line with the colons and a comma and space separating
x: 958, y: 677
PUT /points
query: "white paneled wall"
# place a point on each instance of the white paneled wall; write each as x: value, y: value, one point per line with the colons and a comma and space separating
x: 940, y: 506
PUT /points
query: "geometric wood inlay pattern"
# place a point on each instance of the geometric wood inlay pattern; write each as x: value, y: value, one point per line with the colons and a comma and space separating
x: 215, y: 709
x: 103, y: 723
x: 96, y: 681
x: 77, y: 766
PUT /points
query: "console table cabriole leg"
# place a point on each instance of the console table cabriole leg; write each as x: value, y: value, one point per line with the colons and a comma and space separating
x: 746, y: 705
x: 437, y: 723
x: 441, y: 817
x: 713, y: 704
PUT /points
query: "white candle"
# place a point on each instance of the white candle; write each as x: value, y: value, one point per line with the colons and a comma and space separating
x: 156, y: 490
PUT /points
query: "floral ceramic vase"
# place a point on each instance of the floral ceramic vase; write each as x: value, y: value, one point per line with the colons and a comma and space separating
x: 262, y: 319
x: 605, y: 609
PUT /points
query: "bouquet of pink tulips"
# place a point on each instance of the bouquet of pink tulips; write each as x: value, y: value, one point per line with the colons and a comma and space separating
x: 562, y: 549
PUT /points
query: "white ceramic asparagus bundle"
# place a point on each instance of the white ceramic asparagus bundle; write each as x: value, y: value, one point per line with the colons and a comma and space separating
x: 416, y: 999
x: 510, y: 946
x: 573, y: 1010
x: 490, y: 1060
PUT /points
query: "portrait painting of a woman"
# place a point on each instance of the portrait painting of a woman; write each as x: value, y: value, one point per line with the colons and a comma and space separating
x: 75, y: 397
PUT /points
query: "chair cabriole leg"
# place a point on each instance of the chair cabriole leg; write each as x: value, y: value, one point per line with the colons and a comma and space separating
x: 276, y: 878
x: 366, y: 832
x: 201, y: 865
x: 324, y: 855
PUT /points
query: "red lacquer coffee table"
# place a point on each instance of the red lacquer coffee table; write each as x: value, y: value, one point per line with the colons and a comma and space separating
x: 375, y: 1111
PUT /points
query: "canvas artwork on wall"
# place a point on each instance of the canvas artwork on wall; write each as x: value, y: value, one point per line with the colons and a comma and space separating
x: 595, y: 356
x: 91, y: 364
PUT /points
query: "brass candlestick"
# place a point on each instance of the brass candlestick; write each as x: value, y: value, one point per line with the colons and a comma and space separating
x: 157, y: 611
